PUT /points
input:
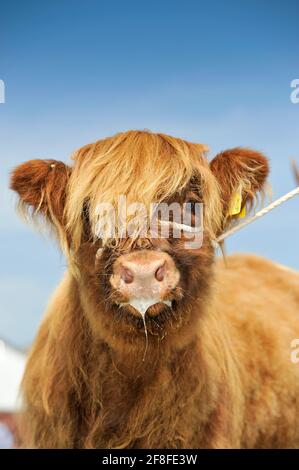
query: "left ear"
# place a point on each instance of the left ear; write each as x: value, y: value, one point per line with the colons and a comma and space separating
x: 41, y: 187
x: 239, y: 170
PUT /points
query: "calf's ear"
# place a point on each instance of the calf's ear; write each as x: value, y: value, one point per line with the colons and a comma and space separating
x: 241, y: 174
x: 41, y: 187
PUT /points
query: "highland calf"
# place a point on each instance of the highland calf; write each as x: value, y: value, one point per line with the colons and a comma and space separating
x: 216, y: 369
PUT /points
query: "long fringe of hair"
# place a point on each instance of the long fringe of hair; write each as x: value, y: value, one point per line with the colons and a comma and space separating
x: 146, y: 168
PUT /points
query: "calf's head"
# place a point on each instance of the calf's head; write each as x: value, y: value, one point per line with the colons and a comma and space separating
x: 145, y: 278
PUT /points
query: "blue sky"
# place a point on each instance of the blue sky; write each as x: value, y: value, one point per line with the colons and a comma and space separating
x: 213, y: 72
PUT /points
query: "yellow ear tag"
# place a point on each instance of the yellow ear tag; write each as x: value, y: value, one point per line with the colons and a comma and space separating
x: 235, y: 203
x: 242, y: 213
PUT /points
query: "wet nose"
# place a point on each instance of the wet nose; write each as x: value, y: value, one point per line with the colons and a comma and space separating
x: 144, y: 274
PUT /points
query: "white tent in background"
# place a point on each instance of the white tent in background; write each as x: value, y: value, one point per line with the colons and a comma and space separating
x: 12, y: 363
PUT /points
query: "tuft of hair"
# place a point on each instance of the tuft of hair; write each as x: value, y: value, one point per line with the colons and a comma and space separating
x: 146, y: 167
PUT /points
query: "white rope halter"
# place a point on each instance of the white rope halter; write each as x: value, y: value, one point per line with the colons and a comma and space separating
x: 258, y: 215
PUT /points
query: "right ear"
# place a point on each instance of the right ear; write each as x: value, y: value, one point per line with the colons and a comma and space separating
x: 41, y: 186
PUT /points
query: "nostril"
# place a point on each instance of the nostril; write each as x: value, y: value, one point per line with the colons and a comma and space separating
x: 160, y: 273
x: 127, y: 275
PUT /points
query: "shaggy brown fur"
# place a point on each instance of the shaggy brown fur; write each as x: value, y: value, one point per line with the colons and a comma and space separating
x: 217, y: 372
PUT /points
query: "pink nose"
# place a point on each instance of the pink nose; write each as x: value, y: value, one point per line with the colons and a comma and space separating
x: 144, y: 274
